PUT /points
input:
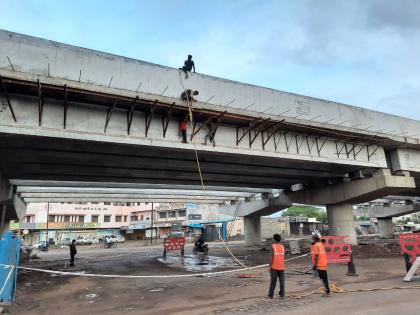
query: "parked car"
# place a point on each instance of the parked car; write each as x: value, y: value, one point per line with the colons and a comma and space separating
x: 66, y: 241
x: 84, y: 241
x: 117, y: 239
x: 41, y: 244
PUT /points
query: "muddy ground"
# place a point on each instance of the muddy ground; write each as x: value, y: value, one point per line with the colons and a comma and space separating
x: 40, y: 293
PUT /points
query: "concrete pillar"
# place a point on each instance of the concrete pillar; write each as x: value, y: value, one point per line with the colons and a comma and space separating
x: 341, y: 222
x: 3, y: 225
x: 252, y: 227
x: 386, y: 227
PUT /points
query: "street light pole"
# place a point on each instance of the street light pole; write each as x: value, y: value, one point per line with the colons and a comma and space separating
x: 151, y: 227
x: 48, y: 219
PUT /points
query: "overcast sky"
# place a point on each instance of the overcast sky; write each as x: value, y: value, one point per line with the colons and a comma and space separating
x: 358, y: 52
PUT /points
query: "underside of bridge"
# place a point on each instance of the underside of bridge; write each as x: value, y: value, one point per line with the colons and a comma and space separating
x: 43, y: 158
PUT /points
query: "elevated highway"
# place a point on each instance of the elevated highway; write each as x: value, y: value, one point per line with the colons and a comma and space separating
x: 71, y: 114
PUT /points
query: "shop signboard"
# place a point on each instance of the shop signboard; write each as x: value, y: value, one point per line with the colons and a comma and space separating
x: 140, y: 225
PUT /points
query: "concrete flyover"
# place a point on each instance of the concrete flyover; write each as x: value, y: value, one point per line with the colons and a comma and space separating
x: 387, y: 208
x: 34, y: 191
x: 71, y: 114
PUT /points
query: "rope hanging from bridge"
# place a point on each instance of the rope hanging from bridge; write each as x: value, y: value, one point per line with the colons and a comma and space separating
x: 190, y: 111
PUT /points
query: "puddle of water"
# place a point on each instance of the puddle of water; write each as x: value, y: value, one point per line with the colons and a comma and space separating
x: 197, y: 263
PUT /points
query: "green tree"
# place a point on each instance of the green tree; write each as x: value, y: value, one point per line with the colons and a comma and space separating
x: 306, y: 211
x: 414, y: 218
x: 361, y: 218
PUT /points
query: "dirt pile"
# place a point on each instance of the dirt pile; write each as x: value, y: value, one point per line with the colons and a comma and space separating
x: 376, y: 250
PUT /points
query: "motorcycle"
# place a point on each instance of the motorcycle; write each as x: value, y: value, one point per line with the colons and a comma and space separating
x: 204, y: 249
x: 110, y: 245
x: 43, y: 248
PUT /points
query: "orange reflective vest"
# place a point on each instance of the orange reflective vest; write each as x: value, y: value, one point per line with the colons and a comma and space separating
x: 278, y: 257
x: 319, y: 250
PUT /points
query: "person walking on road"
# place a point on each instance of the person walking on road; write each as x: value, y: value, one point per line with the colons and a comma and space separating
x: 276, y: 267
x: 320, y: 263
x: 73, y: 252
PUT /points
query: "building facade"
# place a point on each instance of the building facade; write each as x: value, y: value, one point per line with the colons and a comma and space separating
x: 90, y: 221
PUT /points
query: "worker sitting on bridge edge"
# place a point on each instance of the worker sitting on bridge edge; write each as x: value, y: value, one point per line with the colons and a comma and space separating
x: 188, y: 66
x: 188, y: 95
x: 276, y: 267
x: 320, y: 263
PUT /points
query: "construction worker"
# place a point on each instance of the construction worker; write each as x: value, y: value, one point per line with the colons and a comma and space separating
x: 188, y: 95
x: 276, y: 267
x: 182, y: 125
x: 211, y: 130
x: 188, y: 66
x: 320, y: 263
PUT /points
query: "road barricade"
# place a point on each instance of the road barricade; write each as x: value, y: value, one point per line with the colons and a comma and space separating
x: 339, y: 252
x: 173, y: 243
x: 410, y: 248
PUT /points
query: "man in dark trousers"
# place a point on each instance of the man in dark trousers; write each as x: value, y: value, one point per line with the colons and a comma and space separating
x: 211, y: 130
x: 182, y: 126
x: 320, y: 263
x: 276, y: 267
x: 188, y: 66
x: 73, y: 252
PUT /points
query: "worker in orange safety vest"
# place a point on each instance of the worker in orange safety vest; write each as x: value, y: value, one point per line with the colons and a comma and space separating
x: 276, y: 267
x: 320, y: 263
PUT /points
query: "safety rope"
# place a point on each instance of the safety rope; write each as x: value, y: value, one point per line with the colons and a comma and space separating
x: 336, y: 289
x: 190, y: 110
x: 189, y: 275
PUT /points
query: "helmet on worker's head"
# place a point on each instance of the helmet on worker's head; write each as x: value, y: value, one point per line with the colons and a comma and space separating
x: 316, y: 236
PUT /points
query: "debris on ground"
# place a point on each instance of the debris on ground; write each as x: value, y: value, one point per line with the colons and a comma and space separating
x: 249, y: 275
x: 157, y: 290
x: 378, y: 249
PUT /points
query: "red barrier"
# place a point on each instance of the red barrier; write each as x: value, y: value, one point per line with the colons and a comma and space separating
x: 410, y: 245
x: 173, y: 243
x: 337, y: 250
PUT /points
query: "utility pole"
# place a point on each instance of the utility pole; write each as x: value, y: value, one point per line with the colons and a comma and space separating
x: 151, y: 227
x: 48, y: 219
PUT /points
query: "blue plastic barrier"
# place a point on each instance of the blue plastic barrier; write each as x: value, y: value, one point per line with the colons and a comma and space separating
x: 9, y: 262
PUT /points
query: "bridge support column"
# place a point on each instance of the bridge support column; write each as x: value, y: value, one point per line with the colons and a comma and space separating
x: 386, y: 227
x: 341, y: 221
x: 12, y: 206
x: 252, y: 226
